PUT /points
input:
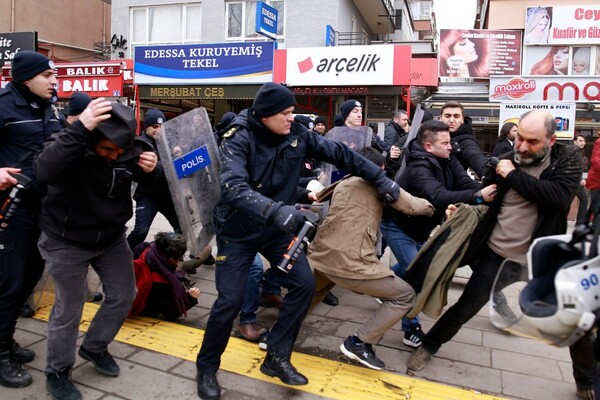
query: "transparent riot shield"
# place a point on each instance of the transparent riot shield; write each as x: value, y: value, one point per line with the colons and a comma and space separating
x: 355, y: 137
x: 190, y: 158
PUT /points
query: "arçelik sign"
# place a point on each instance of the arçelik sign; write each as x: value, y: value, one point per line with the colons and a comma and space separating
x: 343, y: 66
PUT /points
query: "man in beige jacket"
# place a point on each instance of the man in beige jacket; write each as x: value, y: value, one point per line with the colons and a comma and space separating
x: 344, y: 253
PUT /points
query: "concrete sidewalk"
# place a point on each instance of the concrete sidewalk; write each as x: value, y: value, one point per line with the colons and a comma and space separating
x: 480, y: 357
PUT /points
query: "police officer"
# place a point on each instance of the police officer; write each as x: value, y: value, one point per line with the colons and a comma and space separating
x: 155, y: 198
x: 27, y: 119
x: 262, y: 156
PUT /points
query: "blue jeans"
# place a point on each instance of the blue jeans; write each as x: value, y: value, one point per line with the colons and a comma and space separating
x: 68, y: 267
x: 270, y: 284
x: 404, y: 249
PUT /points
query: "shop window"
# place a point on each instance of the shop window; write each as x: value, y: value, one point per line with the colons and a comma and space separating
x: 241, y: 20
x: 166, y: 24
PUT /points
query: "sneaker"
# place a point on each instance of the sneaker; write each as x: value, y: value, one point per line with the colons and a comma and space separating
x: 361, y: 352
x: 418, y: 359
x: 414, y: 337
x: 61, y: 387
x: 102, y: 361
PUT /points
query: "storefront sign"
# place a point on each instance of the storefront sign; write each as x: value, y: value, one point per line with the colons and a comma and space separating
x: 343, y: 65
x: 96, y: 79
x: 204, y: 63
x: 101, y: 79
x: 199, y: 92
x: 266, y: 20
x: 563, y: 112
x: 11, y: 43
x: 544, y: 88
x: 424, y: 72
x: 568, y: 24
x: 479, y: 53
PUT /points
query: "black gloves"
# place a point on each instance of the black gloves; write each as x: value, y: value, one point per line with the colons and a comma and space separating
x: 387, y: 188
x: 288, y: 219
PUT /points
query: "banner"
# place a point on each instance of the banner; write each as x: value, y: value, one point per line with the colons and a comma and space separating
x: 479, y: 53
x: 568, y: 24
x: 544, y: 88
x: 563, y: 112
x: 204, y: 63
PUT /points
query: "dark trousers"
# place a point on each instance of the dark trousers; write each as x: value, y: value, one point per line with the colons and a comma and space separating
x: 146, y: 208
x: 231, y: 271
x: 582, y: 197
x: 475, y: 295
x: 21, y: 266
x: 584, y: 363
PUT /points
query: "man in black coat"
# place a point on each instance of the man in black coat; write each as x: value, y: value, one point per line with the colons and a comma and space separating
x: 396, y: 132
x: 536, y: 185
x: 464, y: 143
x: 89, y: 168
x: 508, y: 133
x: 261, y: 162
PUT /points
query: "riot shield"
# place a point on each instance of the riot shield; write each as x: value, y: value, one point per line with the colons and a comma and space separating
x: 355, y: 137
x: 414, y: 128
x: 190, y: 158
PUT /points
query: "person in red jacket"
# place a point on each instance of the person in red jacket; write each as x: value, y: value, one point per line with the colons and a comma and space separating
x: 162, y: 290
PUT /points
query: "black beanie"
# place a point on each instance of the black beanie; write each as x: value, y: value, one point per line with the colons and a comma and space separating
x: 28, y: 64
x: 78, y: 102
x: 271, y: 99
x: 320, y: 120
x: 347, y: 107
x: 153, y: 116
x: 120, y: 127
x: 226, y: 120
x: 304, y: 120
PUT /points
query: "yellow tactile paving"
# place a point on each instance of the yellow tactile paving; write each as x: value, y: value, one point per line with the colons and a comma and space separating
x: 327, y: 378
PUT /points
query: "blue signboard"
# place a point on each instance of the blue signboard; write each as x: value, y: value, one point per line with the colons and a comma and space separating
x: 329, y: 36
x: 192, y: 162
x: 266, y: 20
x: 204, y: 63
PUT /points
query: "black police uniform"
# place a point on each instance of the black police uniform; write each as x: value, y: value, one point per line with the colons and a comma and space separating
x: 259, y: 173
x: 26, y: 121
x: 150, y: 200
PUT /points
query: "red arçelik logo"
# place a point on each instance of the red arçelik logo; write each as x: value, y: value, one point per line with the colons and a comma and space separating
x: 515, y: 88
x: 305, y: 65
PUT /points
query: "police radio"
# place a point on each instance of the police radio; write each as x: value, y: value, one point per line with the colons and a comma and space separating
x: 11, y: 203
x: 300, y: 241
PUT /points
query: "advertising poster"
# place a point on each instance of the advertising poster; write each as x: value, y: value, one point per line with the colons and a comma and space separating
x: 562, y: 60
x: 563, y: 112
x: 479, y: 53
x: 568, y: 24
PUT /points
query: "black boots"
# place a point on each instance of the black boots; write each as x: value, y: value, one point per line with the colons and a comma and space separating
x: 12, y: 375
x: 208, y: 386
x: 61, y: 387
x: 283, y: 369
x: 20, y: 354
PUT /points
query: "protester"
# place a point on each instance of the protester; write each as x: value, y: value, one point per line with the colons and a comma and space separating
x: 89, y: 168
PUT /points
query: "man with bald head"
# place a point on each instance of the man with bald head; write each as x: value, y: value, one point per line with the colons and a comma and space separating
x: 537, y: 182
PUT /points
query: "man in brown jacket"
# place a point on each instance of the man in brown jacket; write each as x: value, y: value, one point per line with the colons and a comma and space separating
x: 344, y: 253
